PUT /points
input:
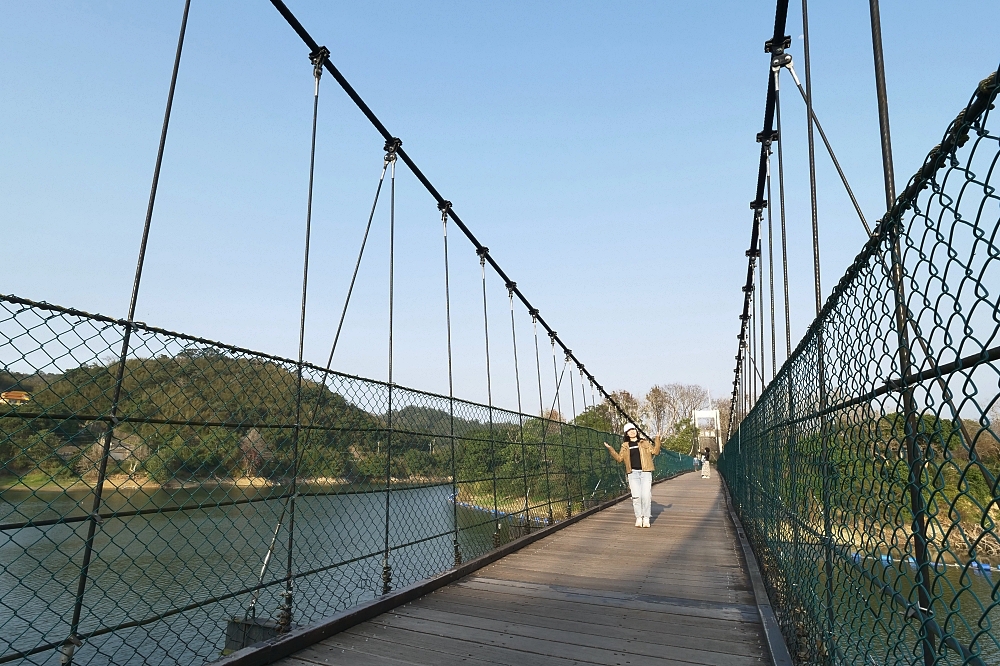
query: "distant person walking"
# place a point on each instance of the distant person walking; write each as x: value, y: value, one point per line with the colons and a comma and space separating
x: 706, y: 469
x: 637, y: 454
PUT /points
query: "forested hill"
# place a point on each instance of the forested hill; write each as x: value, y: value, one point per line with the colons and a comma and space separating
x: 200, y: 414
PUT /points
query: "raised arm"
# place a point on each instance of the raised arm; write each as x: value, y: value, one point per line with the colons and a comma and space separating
x: 614, y: 454
x: 656, y: 446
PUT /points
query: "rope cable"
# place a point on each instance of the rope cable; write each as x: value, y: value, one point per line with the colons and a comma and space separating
x: 285, y: 614
x: 559, y: 420
x: 538, y: 363
x: 541, y: 414
x: 820, y: 369
x: 753, y: 332
x: 770, y: 270
x: 357, y: 264
x: 391, y: 148
x: 443, y: 207
x: 781, y: 211
x: 482, y: 252
x: 520, y: 410
x: 763, y: 318
x: 303, y: 34
x: 829, y: 149
x: 812, y: 157
x: 72, y: 641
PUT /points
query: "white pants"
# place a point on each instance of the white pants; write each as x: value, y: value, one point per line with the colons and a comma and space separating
x: 706, y: 470
x: 641, y: 485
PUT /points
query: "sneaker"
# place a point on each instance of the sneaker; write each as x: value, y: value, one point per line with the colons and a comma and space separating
x: 645, y: 522
x: 638, y: 522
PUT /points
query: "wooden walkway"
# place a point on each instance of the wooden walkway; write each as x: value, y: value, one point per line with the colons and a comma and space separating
x: 600, y: 591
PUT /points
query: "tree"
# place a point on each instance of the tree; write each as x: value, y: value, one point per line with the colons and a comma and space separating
x: 723, y: 405
x: 683, y: 399
x: 656, y: 407
x: 630, y: 405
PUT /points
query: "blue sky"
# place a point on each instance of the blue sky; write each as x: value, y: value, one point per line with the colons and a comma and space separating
x: 603, y: 151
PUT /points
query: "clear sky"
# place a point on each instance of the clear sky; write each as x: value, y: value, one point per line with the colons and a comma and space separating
x: 603, y: 151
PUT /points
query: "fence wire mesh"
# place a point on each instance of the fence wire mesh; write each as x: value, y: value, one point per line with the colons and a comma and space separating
x: 168, y: 500
x: 866, y: 473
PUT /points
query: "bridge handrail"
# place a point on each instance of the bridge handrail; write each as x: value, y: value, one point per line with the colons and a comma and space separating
x: 892, y: 469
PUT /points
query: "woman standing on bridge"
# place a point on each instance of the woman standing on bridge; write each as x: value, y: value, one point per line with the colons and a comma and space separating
x: 637, y: 454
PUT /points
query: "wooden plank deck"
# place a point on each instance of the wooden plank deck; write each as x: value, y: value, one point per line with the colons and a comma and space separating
x: 597, y: 592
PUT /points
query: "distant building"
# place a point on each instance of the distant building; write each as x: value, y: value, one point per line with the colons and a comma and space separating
x: 709, y: 427
x: 14, y: 397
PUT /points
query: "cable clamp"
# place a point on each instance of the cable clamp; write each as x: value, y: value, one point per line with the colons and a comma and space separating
x: 767, y: 140
x: 569, y: 355
x: 779, y: 60
x: 444, y: 206
x: 552, y: 337
x: 96, y: 517
x: 534, y: 315
x: 743, y: 317
x: 511, y: 286
x: 746, y: 288
x: 390, y: 148
x: 317, y: 58
x: 68, y: 647
x: 771, y: 47
x: 753, y: 253
x: 758, y: 204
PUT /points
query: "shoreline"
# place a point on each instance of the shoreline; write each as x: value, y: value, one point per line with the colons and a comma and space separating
x: 134, y: 483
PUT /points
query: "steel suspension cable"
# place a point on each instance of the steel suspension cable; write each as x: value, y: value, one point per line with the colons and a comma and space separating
x: 482, y: 252
x: 781, y: 211
x: 559, y: 420
x: 753, y: 334
x: 391, y: 148
x: 775, y: 46
x: 520, y: 410
x: 321, y: 396
x: 763, y: 318
x: 572, y: 394
x: 377, y: 124
x: 541, y: 415
x: 538, y: 364
x: 829, y: 150
x: 810, y: 120
x: 820, y: 351
x: 770, y: 262
x: 576, y: 431
x: 914, y: 454
x: 72, y: 640
x: 285, y: 614
x: 357, y: 264
x: 443, y: 207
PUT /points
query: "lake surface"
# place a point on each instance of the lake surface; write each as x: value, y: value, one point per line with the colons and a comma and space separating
x: 149, y: 566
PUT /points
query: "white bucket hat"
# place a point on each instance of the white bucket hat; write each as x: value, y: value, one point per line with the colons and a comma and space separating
x: 629, y: 426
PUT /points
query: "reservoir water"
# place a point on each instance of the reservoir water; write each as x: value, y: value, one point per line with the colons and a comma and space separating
x: 149, y: 566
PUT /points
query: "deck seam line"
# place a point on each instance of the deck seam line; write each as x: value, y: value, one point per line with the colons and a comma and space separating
x: 286, y: 645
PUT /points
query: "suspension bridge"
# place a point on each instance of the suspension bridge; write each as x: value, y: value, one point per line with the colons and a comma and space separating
x: 172, y: 499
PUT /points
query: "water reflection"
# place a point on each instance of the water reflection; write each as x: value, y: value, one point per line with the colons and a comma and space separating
x: 149, y: 565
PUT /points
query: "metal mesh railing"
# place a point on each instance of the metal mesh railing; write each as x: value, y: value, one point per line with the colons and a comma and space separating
x: 866, y: 473
x: 205, y: 470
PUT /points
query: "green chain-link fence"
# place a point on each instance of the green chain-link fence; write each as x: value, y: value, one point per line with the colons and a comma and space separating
x: 866, y: 474
x: 166, y: 503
